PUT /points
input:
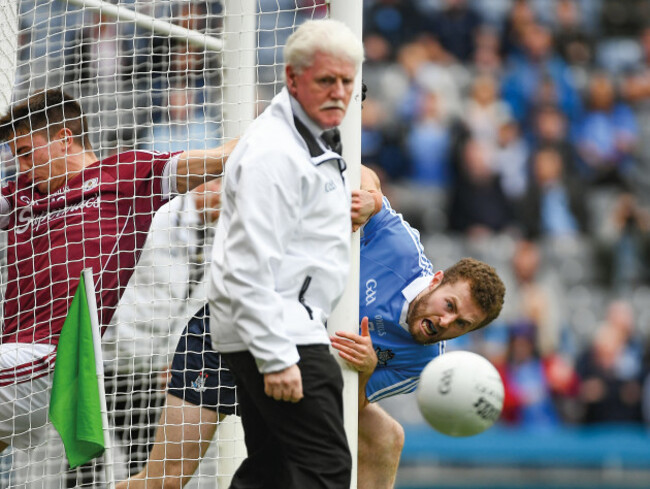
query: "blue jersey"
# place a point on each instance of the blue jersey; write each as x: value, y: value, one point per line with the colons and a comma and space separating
x: 393, y: 271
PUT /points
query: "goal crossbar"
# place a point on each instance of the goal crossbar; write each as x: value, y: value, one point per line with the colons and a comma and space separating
x: 156, y: 25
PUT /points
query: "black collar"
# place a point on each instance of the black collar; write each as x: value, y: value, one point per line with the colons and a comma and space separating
x: 313, y: 146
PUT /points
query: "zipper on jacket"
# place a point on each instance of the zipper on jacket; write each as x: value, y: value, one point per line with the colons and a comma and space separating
x: 301, y: 296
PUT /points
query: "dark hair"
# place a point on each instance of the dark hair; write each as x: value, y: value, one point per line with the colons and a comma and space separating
x: 50, y: 109
x: 486, y: 287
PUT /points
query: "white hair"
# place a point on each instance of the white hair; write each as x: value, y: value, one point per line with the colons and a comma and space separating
x: 326, y: 36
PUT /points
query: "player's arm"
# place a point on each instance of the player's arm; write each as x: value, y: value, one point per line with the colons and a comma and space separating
x: 358, y: 352
x: 367, y: 201
x: 195, y: 166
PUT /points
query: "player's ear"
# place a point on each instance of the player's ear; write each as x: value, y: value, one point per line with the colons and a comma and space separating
x: 64, y: 135
x: 437, y: 279
x: 290, y: 75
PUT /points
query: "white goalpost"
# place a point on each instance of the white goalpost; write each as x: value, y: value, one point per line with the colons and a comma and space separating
x: 346, y: 315
x: 159, y: 76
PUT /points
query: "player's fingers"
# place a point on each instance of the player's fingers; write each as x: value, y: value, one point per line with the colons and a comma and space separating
x: 364, y: 327
x: 339, y: 343
x: 352, y: 347
x: 353, y: 337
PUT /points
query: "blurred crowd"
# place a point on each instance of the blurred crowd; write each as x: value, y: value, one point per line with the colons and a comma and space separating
x: 515, y: 131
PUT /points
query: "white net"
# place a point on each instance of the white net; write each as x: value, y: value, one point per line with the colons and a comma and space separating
x: 144, y: 85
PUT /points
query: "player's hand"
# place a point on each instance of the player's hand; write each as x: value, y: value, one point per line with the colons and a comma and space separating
x: 285, y: 385
x: 363, y: 207
x: 356, y: 350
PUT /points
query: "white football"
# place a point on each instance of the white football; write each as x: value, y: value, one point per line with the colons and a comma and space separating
x: 460, y: 393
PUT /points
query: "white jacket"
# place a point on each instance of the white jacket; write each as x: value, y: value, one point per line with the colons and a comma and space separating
x: 285, y: 234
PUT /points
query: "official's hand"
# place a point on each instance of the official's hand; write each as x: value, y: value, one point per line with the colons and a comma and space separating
x: 356, y: 350
x: 285, y: 385
x: 362, y: 209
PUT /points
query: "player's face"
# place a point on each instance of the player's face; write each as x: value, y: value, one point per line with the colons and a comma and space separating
x: 41, y: 161
x: 443, y: 312
x: 323, y: 89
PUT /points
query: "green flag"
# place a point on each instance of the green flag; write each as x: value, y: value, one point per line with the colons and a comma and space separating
x: 75, y: 408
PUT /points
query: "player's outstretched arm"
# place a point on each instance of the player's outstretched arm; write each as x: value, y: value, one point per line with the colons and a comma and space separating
x: 358, y: 352
x: 197, y: 166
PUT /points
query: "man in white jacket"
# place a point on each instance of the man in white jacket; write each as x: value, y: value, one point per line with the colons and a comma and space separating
x: 282, y: 267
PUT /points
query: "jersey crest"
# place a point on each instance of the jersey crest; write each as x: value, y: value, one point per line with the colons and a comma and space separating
x: 384, y: 356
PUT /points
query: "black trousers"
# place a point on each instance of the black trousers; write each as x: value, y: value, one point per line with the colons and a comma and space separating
x: 293, y: 445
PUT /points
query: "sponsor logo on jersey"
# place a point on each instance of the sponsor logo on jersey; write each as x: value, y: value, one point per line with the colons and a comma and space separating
x: 25, y: 217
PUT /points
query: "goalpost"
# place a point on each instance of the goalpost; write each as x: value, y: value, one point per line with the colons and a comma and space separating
x: 160, y: 75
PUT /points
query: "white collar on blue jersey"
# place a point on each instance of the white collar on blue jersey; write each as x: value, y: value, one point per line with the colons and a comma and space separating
x: 410, y: 292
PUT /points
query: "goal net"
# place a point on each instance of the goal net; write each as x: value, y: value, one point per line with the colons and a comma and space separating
x: 151, y: 76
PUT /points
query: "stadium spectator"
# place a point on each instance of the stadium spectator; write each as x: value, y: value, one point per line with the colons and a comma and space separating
x: 537, y: 74
x: 535, y: 297
x: 607, y: 136
x: 610, y: 388
x: 511, y: 160
x: 635, y: 92
x: 485, y: 112
x: 550, y: 128
x: 477, y: 206
x: 528, y: 401
x: 282, y: 264
x: 428, y: 143
x: 622, y: 240
x: 533, y: 312
x: 572, y: 39
x: 394, y: 22
x: 519, y: 18
x: 455, y: 26
x: 68, y: 211
x: 554, y: 204
x: 487, y: 55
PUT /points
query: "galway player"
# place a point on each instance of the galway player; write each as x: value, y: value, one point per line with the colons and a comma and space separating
x: 66, y: 211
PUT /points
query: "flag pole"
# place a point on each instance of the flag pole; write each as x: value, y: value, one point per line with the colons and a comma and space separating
x: 99, y: 369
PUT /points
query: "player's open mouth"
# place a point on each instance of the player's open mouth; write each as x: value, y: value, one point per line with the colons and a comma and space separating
x: 428, y: 328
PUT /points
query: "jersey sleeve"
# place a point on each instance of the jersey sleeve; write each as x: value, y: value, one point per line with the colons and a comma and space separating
x: 388, y: 382
x: 157, y: 171
x: 148, y: 177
